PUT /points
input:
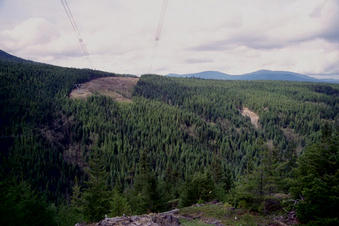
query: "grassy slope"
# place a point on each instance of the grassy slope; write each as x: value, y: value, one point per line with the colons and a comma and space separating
x: 221, y: 213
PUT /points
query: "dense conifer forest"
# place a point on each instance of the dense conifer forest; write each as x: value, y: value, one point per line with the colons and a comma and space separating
x: 178, y: 142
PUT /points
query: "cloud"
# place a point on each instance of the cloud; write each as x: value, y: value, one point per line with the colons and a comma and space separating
x: 279, y: 28
x: 332, y: 69
x: 252, y: 41
x: 235, y: 36
x: 29, y: 32
x: 198, y: 61
x: 329, y: 11
x: 37, y: 39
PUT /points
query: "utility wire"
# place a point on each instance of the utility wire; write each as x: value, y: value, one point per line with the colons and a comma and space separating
x: 71, y: 16
x: 161, y: 20
x: 158, y: 32
x: 76, y: 30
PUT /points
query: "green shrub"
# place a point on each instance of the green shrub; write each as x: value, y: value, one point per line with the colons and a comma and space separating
x: 21, y: 206
x: 201, y: 188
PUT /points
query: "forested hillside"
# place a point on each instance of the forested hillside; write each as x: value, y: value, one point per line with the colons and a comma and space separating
x: 178, y: 142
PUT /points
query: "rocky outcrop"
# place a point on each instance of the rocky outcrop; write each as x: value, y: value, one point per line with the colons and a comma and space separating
x: 153, y: 219
x: 288, y: 219
x: 253, y: 116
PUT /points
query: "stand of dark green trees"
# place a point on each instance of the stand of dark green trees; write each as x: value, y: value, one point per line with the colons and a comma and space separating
x: 180, y: 142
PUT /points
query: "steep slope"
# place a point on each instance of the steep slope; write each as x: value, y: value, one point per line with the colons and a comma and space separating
x: 10, y: 58
x: 35, y: 132
x: 179, y: 142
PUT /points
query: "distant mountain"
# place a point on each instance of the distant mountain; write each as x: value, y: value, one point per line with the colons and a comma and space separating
x: 205, y: 75
x: 216, y: 75
x: 277, y: 75
x: 257, y: 75
x: 330, y: 80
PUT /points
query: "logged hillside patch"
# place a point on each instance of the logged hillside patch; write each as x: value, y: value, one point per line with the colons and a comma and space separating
x: 253, y: 116
x: 118, y: 88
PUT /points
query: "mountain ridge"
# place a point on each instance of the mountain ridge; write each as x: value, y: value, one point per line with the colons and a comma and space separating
x: 256, y: 75
x: 214, y: 75
x: 9, y: 57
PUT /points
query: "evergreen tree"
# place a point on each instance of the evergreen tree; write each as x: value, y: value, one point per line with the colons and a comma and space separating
x: 120, y: 205
x: 77, y: 201
x: 21, y: 206
x: 316, y: 183
x: 252, y: 188
x: 199, y: 189
x: 147, y: 195
x: 96, y: 197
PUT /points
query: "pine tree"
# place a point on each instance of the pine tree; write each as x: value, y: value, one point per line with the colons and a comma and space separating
x: 77, y: 201
x: 252, y: 188
x: 120, y: 205
x: 96, y: 196
x: 316, y: 182
x: 200, y: 189
x: 146, y: 191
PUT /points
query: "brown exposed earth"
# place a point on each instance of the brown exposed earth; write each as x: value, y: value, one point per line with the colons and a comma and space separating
x: 291, y: 135
x: 253, y: 116
x: 118, y: 88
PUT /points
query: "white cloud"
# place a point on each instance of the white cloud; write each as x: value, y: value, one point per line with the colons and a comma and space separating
x: 30, y: 32
x: 235, y: 36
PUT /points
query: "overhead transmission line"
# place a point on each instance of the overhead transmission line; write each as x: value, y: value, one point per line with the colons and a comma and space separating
x: 82, y: 44
x: 161, y: 20
x: 158, y: 31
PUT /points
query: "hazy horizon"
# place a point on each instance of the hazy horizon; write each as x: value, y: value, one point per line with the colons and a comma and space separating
x: 233, y: 37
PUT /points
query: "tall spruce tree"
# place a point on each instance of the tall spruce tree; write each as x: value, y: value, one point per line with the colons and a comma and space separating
x: 146, y: 191
x: 200, y: 189
x: 252, y: 188
x: 316, y: 183
x: 96, y: 197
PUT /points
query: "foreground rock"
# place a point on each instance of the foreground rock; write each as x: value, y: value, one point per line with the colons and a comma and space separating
x: 153, y: 219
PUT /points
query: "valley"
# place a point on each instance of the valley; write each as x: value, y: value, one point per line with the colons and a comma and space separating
x: 79, y: 144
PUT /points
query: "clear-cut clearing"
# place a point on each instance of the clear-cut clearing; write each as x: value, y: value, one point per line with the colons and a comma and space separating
x: 118, y: 88
x: 253, y: 116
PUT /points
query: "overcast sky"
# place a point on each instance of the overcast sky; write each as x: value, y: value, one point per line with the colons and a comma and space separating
x: 232, y: 36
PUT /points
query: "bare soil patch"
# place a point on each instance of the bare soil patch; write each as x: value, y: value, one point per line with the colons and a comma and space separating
x: 118, y: 88
x: 253, y: 116
x: 291, y: 135
x: 190, y: 130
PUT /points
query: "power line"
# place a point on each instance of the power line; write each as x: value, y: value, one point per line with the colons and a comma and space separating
x: 68, y: 15
x: 76, y: 30
x: 158, y: 32
x: 72, y: 18
x: 161, y: 20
